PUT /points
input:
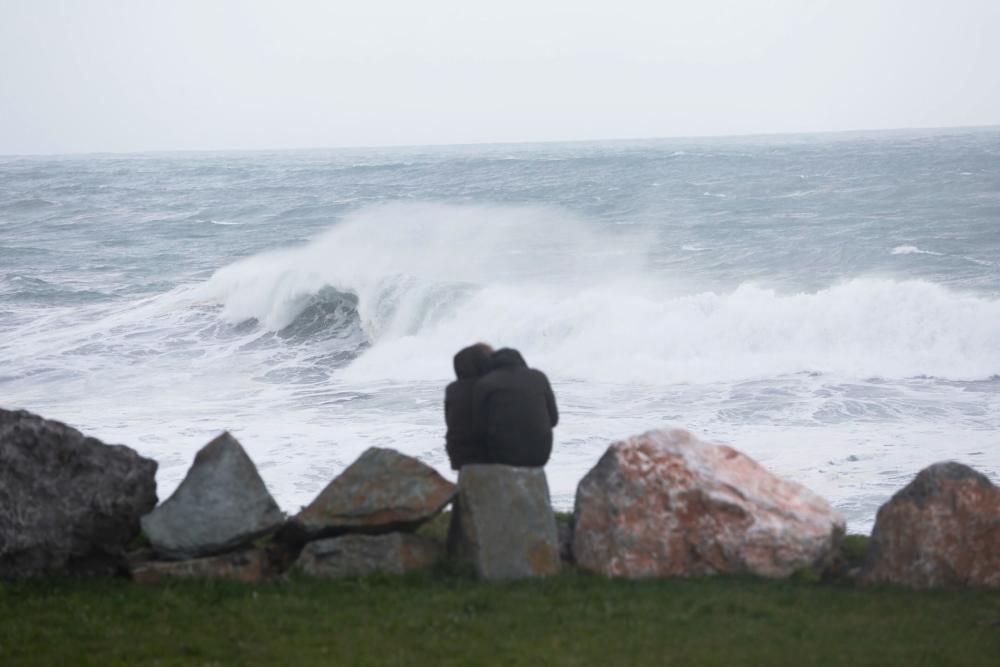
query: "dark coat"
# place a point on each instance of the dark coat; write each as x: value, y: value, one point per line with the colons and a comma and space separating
x: 516, y: 410
x: 464, y: 442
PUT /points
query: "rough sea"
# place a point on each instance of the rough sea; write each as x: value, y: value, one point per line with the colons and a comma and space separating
x: 829, y: 304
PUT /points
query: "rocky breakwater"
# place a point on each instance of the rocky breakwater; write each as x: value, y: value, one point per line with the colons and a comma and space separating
x: 69, y: 504
x: 667, y: 503
x: 942, y: 529
x: 362, y: 522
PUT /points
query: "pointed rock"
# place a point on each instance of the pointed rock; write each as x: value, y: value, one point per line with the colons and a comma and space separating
x: 358, y: 555
x: 69, y: 504
x: 942, y: 529
x: 221, y: 504
x: 383, y: 491
x: 503, y: 522
x: 667, y: 503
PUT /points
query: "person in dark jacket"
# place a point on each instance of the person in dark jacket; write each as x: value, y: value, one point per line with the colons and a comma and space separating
x: 516, y: 411
x: 464, y: 442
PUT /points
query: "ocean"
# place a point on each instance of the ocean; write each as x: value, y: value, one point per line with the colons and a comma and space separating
x: 829, y: 304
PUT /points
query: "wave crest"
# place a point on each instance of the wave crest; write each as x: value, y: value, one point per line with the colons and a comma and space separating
x: 423, y: 281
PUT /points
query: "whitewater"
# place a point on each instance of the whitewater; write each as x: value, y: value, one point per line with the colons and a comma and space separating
x: 830, y: 304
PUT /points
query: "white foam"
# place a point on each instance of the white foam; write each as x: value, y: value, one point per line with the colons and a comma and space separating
x: 913, y: 250
x: 433, y: 278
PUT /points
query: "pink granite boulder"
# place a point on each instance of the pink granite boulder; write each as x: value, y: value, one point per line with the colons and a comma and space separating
x: 666, y: 503
x: 941, y: 529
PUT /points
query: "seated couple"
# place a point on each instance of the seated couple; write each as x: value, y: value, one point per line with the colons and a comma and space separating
x: 498, y: 410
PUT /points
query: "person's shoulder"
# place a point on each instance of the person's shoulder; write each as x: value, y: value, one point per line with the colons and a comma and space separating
x: 459, y: 385
x: 538, y: 374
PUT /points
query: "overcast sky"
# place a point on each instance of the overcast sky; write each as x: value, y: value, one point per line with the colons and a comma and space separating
x: 131, y: 75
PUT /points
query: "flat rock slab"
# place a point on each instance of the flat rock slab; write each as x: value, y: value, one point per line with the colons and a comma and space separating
x: 503, y: 522
x: 942, y: 529
x: 222, y: 504
x: 358, y: 555
x: 69, y: 504
x: 383, y: 491
x: 667, y: 503
x: 251, y: 565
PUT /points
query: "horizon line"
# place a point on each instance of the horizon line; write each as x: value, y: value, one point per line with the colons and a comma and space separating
x: 695, y: 137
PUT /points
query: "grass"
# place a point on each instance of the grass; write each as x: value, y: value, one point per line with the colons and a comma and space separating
x: 447, y: 618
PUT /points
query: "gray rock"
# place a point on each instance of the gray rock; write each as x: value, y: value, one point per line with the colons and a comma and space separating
x: 252, y: 565
x: 357, y: 555
x: 383, y: 491
x: 503, y: 522
x: 221, y: 504
x: 69, y: 504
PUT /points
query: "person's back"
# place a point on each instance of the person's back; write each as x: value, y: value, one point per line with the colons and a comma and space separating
x: 464, y: 441
x: 516, y: 411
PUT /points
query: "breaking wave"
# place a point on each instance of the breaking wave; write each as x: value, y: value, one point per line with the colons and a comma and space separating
x: 414, y: 283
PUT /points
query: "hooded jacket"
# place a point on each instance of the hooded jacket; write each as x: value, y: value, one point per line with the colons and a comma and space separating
x: 516, y: 411
x: 464, y: 442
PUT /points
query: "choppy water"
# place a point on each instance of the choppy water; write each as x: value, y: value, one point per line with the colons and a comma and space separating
x: 828, y: 304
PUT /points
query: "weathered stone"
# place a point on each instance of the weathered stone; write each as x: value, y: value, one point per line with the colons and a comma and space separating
x: 503, y: 522
x: 667, y: 503
x: 69, y: 504
x: 248, y: 565
x: 942, y: 529
x: 357, y: 555
x: 221, y: 504
x: 383, y: 491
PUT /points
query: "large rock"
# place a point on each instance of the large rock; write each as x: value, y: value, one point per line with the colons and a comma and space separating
x: 503, y: 522
x: 251, y: 565
x: 667, y: 503
x: 942, y: 529
x: 383, y: 491
x: 357, y: 555
x: 221, y: 504
x: 69, y: 504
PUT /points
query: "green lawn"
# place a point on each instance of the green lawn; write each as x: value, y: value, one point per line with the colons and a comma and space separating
x: 448, y: 618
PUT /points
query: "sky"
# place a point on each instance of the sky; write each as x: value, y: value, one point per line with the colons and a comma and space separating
x: 142, y: 75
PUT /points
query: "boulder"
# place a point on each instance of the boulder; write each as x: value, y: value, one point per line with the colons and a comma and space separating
x: 382, y: 492
x: 69, y: 504
x: 251, y: 565
x: 503, y: 522
x: 222, y: 504
x: 667, y: 503
x: 942, y: 529
x: 358, y: 555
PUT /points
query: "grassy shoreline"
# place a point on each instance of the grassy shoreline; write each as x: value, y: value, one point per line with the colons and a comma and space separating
x: 446, y: 617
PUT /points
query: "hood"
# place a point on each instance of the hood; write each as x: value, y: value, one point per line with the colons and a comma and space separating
x: 471, y: 362
x: 507, y: 357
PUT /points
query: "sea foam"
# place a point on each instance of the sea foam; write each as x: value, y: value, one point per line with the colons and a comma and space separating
x: 581, y: 304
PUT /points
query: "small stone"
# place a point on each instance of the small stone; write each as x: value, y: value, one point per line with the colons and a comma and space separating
x: 222, y: 504
x: 942, y: 529
x: 503, y: 522
x: 252, y: 565
x: 69, y: 504
x: 358, y: 555
x: 383, y: 491
x: 666, y: 503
